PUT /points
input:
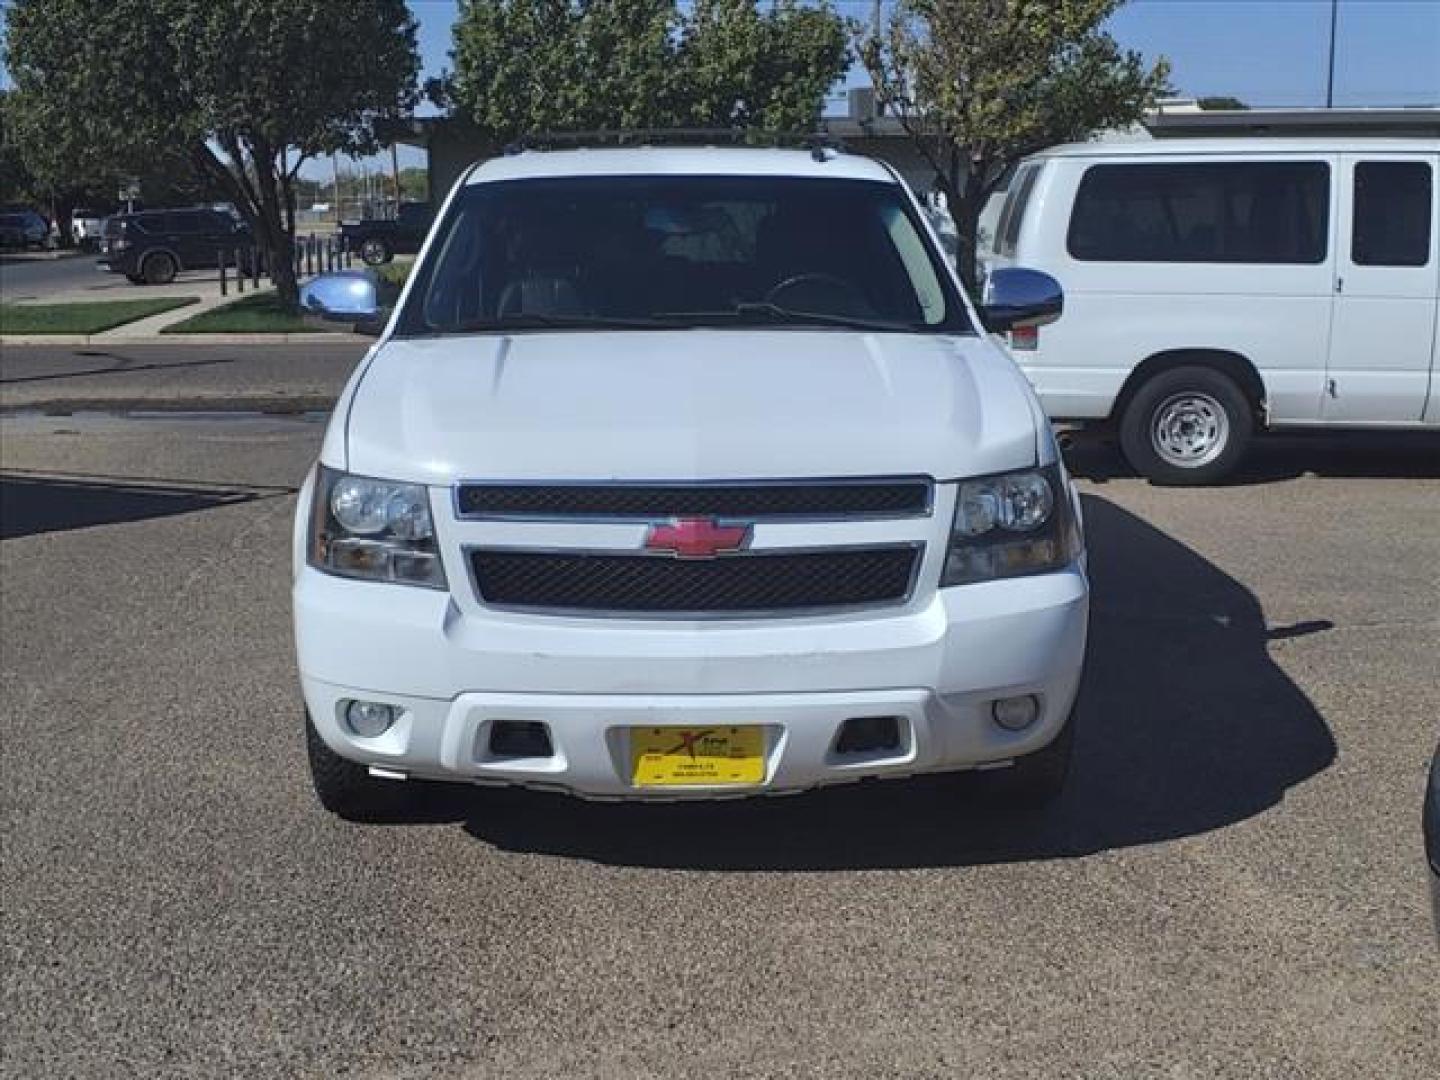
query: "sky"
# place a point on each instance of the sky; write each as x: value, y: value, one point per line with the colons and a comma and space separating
x: 1264, y: 52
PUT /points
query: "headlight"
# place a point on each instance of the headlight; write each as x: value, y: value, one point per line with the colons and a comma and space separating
x: 373, y: 529
x: 1009, y: 525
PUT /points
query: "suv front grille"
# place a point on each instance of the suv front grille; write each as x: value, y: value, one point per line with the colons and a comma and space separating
x: 906, y: 497
x: 753, y: 582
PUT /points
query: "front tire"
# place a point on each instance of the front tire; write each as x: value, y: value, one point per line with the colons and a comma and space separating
x: 344, y: 787
x: 375, y: 251
x: 159, y: 269
x: 1187, y: 426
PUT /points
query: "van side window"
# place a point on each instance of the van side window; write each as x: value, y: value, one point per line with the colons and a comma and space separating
x: 1007, y: 231
x: 1391, y: 223
x: 1220, y: 212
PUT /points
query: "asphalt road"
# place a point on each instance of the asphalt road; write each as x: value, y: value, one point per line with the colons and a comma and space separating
x: 287, y: 378
x: 77, y: 278
x: 35, y: 279
x: 1233, y: 885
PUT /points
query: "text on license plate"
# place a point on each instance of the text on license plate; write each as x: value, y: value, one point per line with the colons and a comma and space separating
x: 721, y: 754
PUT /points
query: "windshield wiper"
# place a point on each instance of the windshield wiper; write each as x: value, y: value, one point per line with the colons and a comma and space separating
x: 538, y: 321
x: 776, y: 313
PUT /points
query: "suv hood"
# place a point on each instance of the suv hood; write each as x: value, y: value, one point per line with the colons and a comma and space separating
x: 689, y: 404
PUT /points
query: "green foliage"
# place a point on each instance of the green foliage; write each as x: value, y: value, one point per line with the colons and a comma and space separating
x: 979, y: 84
x: 270, y: 82
x: 582, y: 65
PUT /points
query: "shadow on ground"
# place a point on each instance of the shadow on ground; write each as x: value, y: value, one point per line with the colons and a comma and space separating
x: 1403, y: 455
x: 31, y: 504
x: 1185, y: 726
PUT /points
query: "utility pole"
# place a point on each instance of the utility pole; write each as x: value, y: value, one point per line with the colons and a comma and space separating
x: 335, y: 183
x: 395, y: 175
x: 1330, y: 82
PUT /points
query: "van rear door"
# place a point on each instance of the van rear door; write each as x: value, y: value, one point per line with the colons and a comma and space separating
x: 1387, y: 276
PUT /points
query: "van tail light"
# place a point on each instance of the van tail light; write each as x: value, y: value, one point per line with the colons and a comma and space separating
x: 1025, y: 338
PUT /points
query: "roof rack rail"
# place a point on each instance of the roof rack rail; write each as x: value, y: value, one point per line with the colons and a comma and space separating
x: 819, y: 143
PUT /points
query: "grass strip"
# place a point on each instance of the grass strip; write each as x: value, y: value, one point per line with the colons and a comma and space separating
x: 86, y: 317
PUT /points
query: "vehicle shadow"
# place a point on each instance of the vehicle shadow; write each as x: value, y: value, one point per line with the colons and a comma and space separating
x: 42, y: 504
x: 1186, y: 725
x: 1404, y: 455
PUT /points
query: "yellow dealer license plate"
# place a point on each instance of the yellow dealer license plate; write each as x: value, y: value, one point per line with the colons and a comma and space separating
x: 672, y: 756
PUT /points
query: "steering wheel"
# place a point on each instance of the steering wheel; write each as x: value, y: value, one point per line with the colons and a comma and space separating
x: 840, y: 285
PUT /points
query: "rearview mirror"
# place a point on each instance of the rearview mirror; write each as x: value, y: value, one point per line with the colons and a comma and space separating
x: 348, y: 296
x: 1016, y: 296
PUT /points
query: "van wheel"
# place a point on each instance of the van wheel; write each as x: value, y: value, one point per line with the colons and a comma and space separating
x: 345, y: 788
x: 1037, y: 779
x: 159, y: 269
x: 1187, y: 426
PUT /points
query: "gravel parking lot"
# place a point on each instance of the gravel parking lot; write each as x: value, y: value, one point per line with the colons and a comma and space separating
x: 1232, y: 886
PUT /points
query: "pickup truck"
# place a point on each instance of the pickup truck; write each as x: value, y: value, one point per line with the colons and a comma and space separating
x: 378, y: 240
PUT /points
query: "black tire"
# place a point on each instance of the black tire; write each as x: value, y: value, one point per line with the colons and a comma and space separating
x: 1037, y: 779
x: 159, y: 268
x: 135, y: 279
x: 1187, y: 426
x: 375, y: 251
x: 345, y: 788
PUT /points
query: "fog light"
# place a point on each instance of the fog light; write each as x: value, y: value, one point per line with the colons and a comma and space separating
x: 1016, y: 713
x: 370, y: 718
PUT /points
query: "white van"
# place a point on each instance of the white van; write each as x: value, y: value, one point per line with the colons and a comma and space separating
x: 1216, y: 287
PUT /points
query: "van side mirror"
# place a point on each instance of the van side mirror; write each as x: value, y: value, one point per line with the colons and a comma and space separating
x: 347, y: 296
x: 1016, y: 296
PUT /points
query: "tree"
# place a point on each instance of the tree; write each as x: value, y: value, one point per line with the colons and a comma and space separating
x: 979, y: 84
x: 246, y: 90
x: 581, y: 65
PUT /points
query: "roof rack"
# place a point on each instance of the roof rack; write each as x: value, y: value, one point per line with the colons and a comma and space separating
x: 819, y: 143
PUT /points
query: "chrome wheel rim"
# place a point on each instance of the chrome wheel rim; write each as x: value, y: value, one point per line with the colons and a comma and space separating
x: 1190, y: 429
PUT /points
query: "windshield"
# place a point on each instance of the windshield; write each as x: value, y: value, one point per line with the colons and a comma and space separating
x: 681, y: 251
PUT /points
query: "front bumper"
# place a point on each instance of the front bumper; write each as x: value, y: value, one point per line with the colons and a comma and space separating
x: 936, y: 667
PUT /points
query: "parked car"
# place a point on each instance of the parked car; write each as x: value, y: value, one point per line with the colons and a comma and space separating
x: 686, y: 473
x: 1432, y: 835
x: 152, y: 246
x: 1216, y: 288
x: 86, y: 228
x: 378, y: 240
x: 23, y: 229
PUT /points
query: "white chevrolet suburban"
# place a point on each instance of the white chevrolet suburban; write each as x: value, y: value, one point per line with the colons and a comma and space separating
x: 686, y: 473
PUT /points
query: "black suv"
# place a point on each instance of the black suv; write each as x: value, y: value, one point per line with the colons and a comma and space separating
x: 152, y: 246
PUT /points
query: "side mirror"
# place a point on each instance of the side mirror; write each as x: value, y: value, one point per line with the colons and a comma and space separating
x: 351, y: 296
x: 1015, y: 297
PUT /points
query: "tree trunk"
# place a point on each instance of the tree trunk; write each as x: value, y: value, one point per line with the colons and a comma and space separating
x: 965, y: 209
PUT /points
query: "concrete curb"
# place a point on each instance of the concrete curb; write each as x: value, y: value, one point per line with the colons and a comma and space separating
x: 323, y: 337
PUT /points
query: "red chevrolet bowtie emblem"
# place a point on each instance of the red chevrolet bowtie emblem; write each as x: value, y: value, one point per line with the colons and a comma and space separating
x: 696, y: 538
